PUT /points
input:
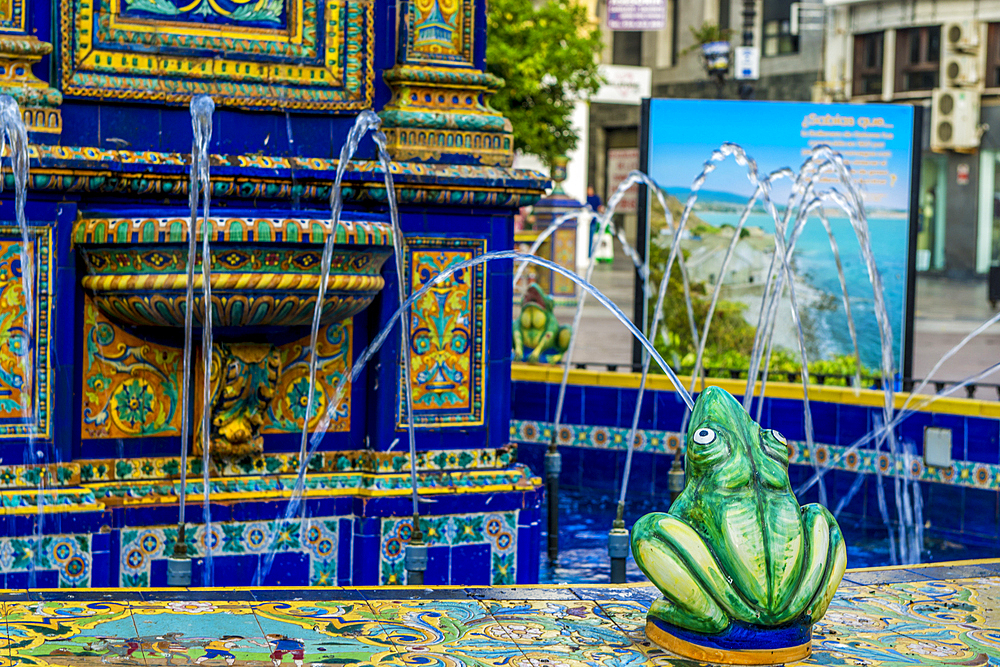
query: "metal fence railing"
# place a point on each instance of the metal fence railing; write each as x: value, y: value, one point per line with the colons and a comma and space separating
x: 980, y: 390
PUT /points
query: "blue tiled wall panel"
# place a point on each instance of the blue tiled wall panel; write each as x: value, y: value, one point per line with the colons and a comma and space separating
x: 470, y: 565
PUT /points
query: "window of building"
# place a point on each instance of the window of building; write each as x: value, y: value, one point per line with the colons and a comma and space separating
x: 993, y: 56
x: 868, y: 58
x: 918, y: 58
x: 724, y: 12
x: 626, y: 48
x: 778, y: 37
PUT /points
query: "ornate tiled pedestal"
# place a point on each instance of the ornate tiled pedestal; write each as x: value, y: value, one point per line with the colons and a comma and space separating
x: 99, y: 449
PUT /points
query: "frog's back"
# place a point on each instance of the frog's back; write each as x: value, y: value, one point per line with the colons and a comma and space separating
x: 739, y: 499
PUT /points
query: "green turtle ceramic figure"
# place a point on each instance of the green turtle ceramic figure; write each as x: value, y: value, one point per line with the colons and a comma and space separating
x: 744, y: 570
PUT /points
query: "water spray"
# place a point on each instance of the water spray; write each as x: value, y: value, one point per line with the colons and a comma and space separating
x: 416, y: 550
x: 202, y: 107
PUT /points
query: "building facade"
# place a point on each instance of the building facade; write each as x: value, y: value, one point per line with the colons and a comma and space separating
x: 788, y: 33
x: 944, y: 56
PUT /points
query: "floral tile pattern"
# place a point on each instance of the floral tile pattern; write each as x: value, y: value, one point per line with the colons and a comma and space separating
x: 497, y: 532
x: 69, y: 556
x: 160, y: 468
x: 961, y: 473
x: 937, y: 622
x: 316, y: 538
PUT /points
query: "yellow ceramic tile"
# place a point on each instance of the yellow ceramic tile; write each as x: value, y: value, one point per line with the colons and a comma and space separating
x: 557, y: 625
x: 325, y: 630
x: 68, y: 632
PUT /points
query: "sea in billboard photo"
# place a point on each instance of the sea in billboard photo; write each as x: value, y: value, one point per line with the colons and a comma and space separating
x: 876, y: 143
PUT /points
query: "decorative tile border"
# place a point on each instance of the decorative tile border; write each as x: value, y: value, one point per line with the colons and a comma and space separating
x: 69, y: 555
x: 961, y: 473
x: 168, y: 468
x: 312, y: 54
x: 323, y: 485
x: 170, y: 229
x: 317, y: 538
x: 14, y: 423
x: 447, y: 336
x: 498, y: 531
x: 122, y: 160
x: 594, y: 437
x: 436, y: 34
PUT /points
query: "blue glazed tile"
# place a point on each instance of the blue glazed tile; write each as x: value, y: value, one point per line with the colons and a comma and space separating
x: 786, y: 417
x: 476, y: 565
x: 669, y: 411
x: 956, y: 424
x: 572, y: 466
x: 100, y: 570
x: 600, y: 406
x: 983, y: 440
x: 824, y: 418
x: 979, y: 514
x: 853, y: 422
x: 289, y: 569
x: 525, y: 555
x: 647, y: 414
x: 912, y: 428
x: 573, y: 411
x: 533, y: 456
x: 366, y: 560
x: 43, y: 579
x: 601, y: 469
x: 438, y: 566
x: 641, y: 477
x: 345, y: 538
x: 529, y: 401
x: 842, y: 489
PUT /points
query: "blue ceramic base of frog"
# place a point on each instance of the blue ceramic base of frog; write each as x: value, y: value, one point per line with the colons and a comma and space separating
x: 740, y: 643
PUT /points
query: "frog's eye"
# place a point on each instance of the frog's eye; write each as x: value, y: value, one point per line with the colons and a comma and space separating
x: 704, y: 436
x: 777, y: 436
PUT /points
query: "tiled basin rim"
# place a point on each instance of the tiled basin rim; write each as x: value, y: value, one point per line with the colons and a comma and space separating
x: 930, y: 615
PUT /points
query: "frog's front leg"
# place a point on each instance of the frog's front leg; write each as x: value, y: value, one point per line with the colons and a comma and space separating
x: 543, y: 345
x: 825, y: 563
x: 696, y: 593
x: 518, y: 343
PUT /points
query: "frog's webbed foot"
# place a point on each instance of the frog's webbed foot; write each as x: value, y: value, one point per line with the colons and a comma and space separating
x: 824, y: 566
x: 696, y: 593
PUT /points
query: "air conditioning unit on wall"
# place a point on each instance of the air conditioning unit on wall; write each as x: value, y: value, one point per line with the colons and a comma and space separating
x: 961, y: 35
x: 955, y: 119
x: 961, y: 70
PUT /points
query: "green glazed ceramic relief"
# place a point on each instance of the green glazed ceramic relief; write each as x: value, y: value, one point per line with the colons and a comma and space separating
x: 744, y: 570
x: 537, y: 334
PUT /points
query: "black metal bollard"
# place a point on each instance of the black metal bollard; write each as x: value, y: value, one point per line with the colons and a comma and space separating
x: 416, y: 563
x: 553, y: 466
x: 618, y: 546
x: 179, y: 565
x: 675, y: 478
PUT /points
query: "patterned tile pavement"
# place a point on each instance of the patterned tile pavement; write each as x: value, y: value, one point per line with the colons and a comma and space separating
x: 935, y: 615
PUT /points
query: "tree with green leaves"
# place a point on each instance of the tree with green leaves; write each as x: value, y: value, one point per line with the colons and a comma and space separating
x: 548, y: 56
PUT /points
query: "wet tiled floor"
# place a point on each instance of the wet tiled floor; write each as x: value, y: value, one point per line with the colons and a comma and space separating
x: 938, y: 615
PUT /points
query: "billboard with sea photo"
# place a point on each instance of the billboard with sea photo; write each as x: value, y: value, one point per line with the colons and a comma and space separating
x: 876, y: 141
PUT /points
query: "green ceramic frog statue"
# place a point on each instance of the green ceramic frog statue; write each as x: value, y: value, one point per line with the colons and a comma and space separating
x: 537, y: 331
x: 744, y: 570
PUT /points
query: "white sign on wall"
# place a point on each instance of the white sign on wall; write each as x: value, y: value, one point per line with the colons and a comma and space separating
x: 620, y: 162
x: 747, y: 63
x: 624, y: 85
x: 636, y: 14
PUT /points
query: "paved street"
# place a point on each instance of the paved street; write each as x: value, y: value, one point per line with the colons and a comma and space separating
x: 946, y: 311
